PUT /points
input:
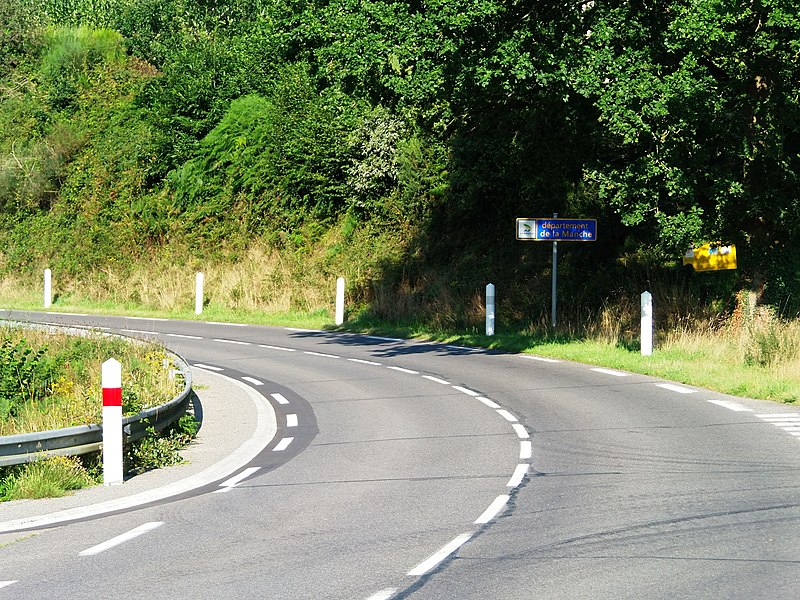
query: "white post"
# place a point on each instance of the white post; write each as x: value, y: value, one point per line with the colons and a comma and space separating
x: 198, y: 294
x: 48, y: 288
x: 647, y: 324
x: 112, y: 422
x: 490, y: 309
x: 340, y: 301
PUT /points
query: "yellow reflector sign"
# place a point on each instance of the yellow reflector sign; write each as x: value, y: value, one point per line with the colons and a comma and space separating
x: 711, y: 257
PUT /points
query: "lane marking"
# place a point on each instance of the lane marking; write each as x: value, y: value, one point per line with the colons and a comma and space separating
x: 518, y: 476
x: 487, y: 402
x: 283, y: 444
x: 229, y: 484
x: 301, y: 330
x: 66, y: 314
x: 140, y: 331
x: 525, y: 450
x: 207, y: 367
x: 253, y: 380
x: 676, y: 388
x: 365, y: 362
x: 439, y: 556
x: 383, y: 594
x: 402, y: 370
x: 610, y: 372
x: 779, y: 416
x: 8, y: 583
x: 734, y: 406
x: 539, y: 358
x: 522, y: 433
x: 466, y: 391
x: 228, y: 324
x: 382, y: 339
x: 506, y: 415
x: 279, y: 398
x: 494, y: 508
x: 291, y: 420
x: 281, y: 348
x: 322, y: 354
x: 185, y: 337
x: 121, y: 539
x: 146, y: 319
x: 435, y: 379
x: 237, y: 342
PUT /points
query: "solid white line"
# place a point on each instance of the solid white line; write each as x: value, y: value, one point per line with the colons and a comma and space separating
x: 322, y: 354
x: 253, y: 380
x: 778, y: 415
x: 7, y: 583
x: 539, y: 358
x: 239, y: 477
x: 434, y: 560
x: 281, y: 348
x: 383, y: 594
x: 464, y: 390
x: 734, y: 406
x: 185, y: 337
x: 522, y: 433
x: 237, y: 342
x: 207, y: 367
x: 291, y: 420
x: 506, y: 415
x: 402, y: 370
x: 610, y: 372
x: 435, y: 379
x: 525, y: 450
x: 494, y: 508
x: 121, y: 539
x: 676, y: 388
x: 229, y: 324
x: 487, y: 402
x: 300, y: 329
x: 280, y: 399
x: 365, y: 362
x: 283, y: 444
x: 519, y: 474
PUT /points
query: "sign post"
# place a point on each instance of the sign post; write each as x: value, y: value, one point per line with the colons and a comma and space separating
x: 556, y: 230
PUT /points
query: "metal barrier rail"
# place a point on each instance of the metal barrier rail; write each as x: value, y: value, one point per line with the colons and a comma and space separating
x: 72, y: 441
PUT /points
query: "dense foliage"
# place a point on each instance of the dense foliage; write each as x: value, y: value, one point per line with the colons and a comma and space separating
x: 133, y: 125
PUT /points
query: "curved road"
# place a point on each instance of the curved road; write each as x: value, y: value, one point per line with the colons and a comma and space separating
x: 415, y: 470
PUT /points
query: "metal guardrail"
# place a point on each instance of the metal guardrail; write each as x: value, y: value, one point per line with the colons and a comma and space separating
x: 72, y: 441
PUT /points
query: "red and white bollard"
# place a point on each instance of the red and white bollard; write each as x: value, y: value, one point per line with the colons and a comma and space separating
x: 112, y: 422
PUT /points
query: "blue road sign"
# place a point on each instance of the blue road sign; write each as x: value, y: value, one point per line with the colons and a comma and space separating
x: 557, y: 230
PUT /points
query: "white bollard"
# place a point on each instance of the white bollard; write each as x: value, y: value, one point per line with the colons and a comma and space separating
x: 340, y: 301
x: 490, y: 309
x: 112, y: 422
x: 647, y: 324
x: 198, y: 293
x: 48, y: 288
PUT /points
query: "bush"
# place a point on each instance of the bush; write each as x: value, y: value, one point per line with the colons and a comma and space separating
x: 49, y: 478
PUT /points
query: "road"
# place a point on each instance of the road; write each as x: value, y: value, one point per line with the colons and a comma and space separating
x: 415, y: 470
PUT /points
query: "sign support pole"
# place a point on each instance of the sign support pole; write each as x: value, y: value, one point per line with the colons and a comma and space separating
x: 555, y: 280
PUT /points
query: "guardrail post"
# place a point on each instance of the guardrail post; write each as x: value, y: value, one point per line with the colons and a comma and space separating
x: 48, y: 288
x: 198, y: 293
x: 112, y: 422
x: 647, y: 324
x: 490, y: 309
x: 340, y: 301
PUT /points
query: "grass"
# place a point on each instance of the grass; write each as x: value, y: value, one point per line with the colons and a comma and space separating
x: 50, y: 478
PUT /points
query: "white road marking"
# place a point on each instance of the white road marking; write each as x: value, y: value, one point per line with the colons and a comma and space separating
x: 228, y: 324
x: 237, y: 342
x: 464, y: 390
x: 185, y: 337
x: 439, y: 556
x: 518, y: 476
x: 281, y: 348
x: 522, y: 433
x: 402, y: 370
x: 280, y: 399
x: 610, y: 372
x: 146, y: 319
x: 525, y: 450
x: 487, y: 402
x: 291, y: 420
x: 365, y: 362
x: 253, y: 380
x: 382, y: 339
x: 66, y: 314
x: 139, y: 331
x: 383, y: 594
x: 676, y: 388
x: 7, y: 583
x: 539, y: 358
x: 322, y: 354
x: 236, y: 479
x: 435, y: 379
x: 121, y: 539
x: 301, y: 330
x: 734, y: 406
x: 494, y: 508
x: 207, y: 367
x: 507, y: 415
x: 778, y: 415
x: 283, y: 444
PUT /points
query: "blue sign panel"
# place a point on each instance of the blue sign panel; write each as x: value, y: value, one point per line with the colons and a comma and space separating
x: 566, y: 230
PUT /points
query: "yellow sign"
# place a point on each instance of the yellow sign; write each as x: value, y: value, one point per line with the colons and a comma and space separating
x: 711, y: 257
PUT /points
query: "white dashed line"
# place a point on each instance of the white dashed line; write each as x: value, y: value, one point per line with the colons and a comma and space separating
x: 779, y: 416
x: 610, y: 372
x: 184, y: 337
x: 676, y: 388
x: 466, y: 391
x: 121, y: 539
x: 493, y: 510
x: 402, y: 370
x: 236, y: 479
x: 539, y: 358
x: 7, y: 583
x: 522, y: 433
x: 253, y: 380
x: 435, y: 379
x: 283, y: 444
x: 383, y: 594
x: 525, y: 450
x: 280, y: 399
x: 291, y: 420
x: 228, y: 324
x: 207, y: 367
x: 281, y: 348
x: 139, y: 331
x: 734, y: 406
x: 365, y: 362
x: 442, y: 554
x: 301, y: 330
x: 518, y: 476
x: 487, y: 402
x: 382, y: 339
x: 146, y: 319
x: 322, y: 354
x: 66, y: 314
x: 236, y: 342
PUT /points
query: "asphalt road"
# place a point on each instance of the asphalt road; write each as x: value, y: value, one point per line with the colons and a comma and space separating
x: 414, y: 470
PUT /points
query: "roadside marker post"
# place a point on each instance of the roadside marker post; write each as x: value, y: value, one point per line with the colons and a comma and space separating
x: 48, y: 288
x: 340, y: 300
x: 198, y: 293
x: 112, y: 422
x: 490, y: 312
x: 647, y: 324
